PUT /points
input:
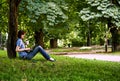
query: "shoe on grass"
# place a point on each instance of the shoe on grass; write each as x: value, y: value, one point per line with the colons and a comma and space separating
x: 52, y: 60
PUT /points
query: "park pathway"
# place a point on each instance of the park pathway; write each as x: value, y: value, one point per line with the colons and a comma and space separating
x: 104, y: 57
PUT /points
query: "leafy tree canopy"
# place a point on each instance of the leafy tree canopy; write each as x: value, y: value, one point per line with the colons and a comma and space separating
x: 47, y: 15
x: 45, y: 12
x: 102, y: 9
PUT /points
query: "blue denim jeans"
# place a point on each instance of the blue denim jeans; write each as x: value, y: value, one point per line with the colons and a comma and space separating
x: 37, y: 49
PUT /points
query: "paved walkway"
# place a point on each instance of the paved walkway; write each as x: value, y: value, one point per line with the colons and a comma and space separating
x: 113, y: 58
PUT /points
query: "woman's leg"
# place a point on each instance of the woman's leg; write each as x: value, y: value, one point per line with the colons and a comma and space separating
x: 36, y: 50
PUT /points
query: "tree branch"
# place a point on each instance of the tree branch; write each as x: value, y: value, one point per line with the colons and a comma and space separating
x: 18, y: 2
x: 115, y: 2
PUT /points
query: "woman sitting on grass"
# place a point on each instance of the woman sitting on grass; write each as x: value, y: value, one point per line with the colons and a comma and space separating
x: 23, y: 51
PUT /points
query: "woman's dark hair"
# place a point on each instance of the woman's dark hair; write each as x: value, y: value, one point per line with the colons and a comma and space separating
x: 20, y: 32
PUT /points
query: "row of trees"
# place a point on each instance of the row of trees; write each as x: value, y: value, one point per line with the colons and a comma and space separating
x: 91, y: 20
x: 107, y: 12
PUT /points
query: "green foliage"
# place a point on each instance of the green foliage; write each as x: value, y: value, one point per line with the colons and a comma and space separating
x: 46, y: 15
x: 74, y: 6
x: 3, y: 15
x: 101, y: 8
x: 59, y: 31
x: 94, y: 28
x: 77, y: 42
x: 45, y: 12
x: 64, y: 69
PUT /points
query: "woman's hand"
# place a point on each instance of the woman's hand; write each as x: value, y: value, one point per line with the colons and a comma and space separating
x: 23, y: 49
x: 27, y: 49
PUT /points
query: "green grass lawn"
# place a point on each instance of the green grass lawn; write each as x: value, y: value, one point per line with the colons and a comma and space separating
x: 64, y: 69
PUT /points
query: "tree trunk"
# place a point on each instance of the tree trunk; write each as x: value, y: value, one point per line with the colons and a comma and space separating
x: 106, y: 45
x: 88, y: 40
x: 12, y: 29
x: 53, y: 43
x: 106, y: 39
x: 0, y: 39
x: 115, y: 37
x: 39, y: 37
x: 88, y: 36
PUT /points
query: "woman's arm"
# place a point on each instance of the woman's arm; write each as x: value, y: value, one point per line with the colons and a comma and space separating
x: 23, y: 49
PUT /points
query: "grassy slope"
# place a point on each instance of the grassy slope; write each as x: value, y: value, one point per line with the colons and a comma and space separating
x: 64, y: 69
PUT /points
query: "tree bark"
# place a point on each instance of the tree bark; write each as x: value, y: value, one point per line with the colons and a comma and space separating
x: 88, y: 39
x: 88, y: 36
x: 12, y: 28
x: 115, y: 37
x: 106, y: 45
x: 53, y: 43
x: 39, y: 37
x: 0, y: 39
